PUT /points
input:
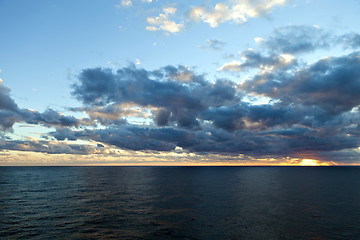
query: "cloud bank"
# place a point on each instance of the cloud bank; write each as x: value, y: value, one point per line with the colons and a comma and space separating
x: 313, y: 110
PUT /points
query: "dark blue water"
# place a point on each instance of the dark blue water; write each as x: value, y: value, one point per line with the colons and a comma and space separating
x: 179, y: 203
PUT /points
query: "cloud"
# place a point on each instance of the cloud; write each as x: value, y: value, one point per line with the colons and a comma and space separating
x: 350, y: 40
x: 254, y: 59
x: 234, y: 65
x: 51, y: 147
x: 203, y: 117
x: 129, y: 3
x: 244, y: 116
x: 126, y: 2
x: 182, y: 74
x: 49, y: 118
x: 6, y: 102
x: 313, y: 108
x: 238, y: 11
x: 286, y: 137
x: 313, y: 112
x: 296, y: 39
x: 331, y: 83
x: 175, y: 90
x: 214, y: 44
x: 115, y: 114
x: 10, y: 113
x: 163, y: 22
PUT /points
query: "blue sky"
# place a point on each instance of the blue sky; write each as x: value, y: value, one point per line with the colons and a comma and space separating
x: 241, y: 70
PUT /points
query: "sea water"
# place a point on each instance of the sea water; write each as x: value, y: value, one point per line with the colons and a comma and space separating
x: 179, y: 203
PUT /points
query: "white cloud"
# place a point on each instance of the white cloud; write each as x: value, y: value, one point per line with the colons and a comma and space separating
x: 124, y: 3
x: 238, y: 11
x: 259, y: 39
x: 163, y: 22
x: 128, y: 3
x: 152, y: 28
x: 286, y: 58
x: 231, y: 66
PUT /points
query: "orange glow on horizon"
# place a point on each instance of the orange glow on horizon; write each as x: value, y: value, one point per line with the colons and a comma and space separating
x: 26, y: 158
x: 312, y: 162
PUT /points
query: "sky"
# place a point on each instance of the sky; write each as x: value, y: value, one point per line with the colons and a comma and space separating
x: 151, y: 82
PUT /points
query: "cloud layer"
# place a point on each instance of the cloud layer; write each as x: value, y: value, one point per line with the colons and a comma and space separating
x: 313, y: 108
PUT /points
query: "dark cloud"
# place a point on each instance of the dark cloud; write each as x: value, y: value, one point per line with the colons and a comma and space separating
x: 162, y: 117
x: 10, y: 113
x: 6, y: 102
x: 332, y: 84
x: 8, y: 108
x: 314, y: 108
x: 49, y: 118
x: 255, y: 59
x: 347, y: 156
x: 278, y: 48
x: 179, y: 73
x: 134, y: 138
x: 250, y: 130
x: 63, y: 134
x: 7, y: 119
x: 179, y: 101
x: 49, y: 147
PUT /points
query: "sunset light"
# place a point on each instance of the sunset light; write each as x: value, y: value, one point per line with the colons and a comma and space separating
x: 224, y: 83
x: 175, y: 119
x: 311, y: 162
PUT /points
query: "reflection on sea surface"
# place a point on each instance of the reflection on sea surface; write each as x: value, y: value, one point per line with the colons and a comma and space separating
x: 179, y: 202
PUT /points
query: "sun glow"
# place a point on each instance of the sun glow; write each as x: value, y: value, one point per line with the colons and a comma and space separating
x: 311, y: 162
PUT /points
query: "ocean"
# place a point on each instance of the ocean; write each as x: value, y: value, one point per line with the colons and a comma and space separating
x: 180, y: 203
